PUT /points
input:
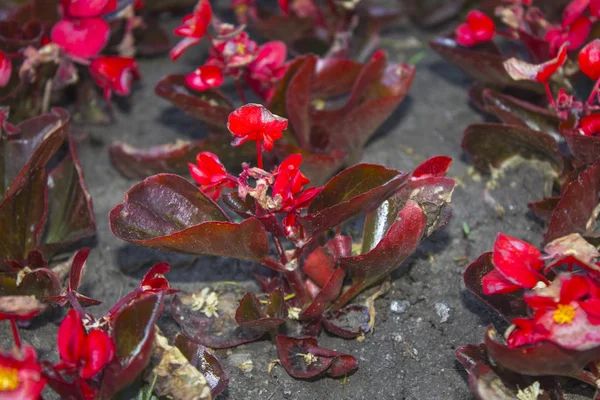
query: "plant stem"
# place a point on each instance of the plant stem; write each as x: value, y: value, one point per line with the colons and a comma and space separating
x: 549, y: 94
x: 240, y: 90
x: 294, y: 278
x: 15, y: 332
x: 590, y: 99
x: 259, y: 158
x: 280, y: 251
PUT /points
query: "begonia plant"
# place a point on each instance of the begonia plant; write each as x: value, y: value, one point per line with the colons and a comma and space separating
x: 558, y: 128
x: 334, y: 105
x: 550, y: 298
x: 46, y: 208
x: 48, y: 46
x: 293, y: 230
x: 98, y: 357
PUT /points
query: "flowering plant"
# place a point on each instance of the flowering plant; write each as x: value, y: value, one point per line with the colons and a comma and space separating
x: 98, y: 356
x: 551, y: 300
x: 321, y: 97
x: 534, y: 127
x: 48, y: 46
x: 312, y: 257
x: 46, y: 207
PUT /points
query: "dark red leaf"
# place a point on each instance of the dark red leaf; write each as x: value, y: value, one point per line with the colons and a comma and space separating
x: 483, y: 63
x: 174, y: 158
x: 326, y: 296
x: 302, y: 358
x: 349, y: 322
x: 349, y: 193
x: 544, y: 208
x: 585, y: 149
x: 542, y: 359
x: 509, y: 305
x: 70, y: 210
x: 250, y: 314
x: 490, y: 145
x: 23, y: 213
x: 209, y: 106
x: 132, y: 330
x: 399, y: 242
x: 575, y: 211
x: 201, y: 358
x: 167, y: 212
x: 215, y: 332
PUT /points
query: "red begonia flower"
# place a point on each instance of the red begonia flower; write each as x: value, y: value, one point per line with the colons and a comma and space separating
x: 590, y: 125
x: 210, y: 174
x: 155, y: 281
x: 560, y: 310
x: 5, y: 69
x: 526, y: 332
x: 255, y: 122
x: 268, y: 67
x: 204, y: 78
x: 87, y: 8
x: 517, y: 266
x: 589, y: 59
x: 284, y: 6
x: 595, y: 8
x: 20, y: 375
x: 479, y: 28
x: 114, y: 74
x: 235, y: 52
x: 82, y: 38
x: 289, y: 182
x: 87, y: 353
x: 193, y: 28
x: 573, y: 36
x: 573, y: 11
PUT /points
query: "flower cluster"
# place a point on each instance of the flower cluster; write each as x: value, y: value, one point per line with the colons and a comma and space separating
x: 564, y: 305
x: 279, y: 191
x: 232, y: 53
x: 86, y: 346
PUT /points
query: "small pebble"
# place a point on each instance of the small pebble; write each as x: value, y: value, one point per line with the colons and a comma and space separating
x: 399, y: 307
x: 443, y: 311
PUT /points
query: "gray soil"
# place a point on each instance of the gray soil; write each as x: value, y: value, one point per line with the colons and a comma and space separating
x: 420, y: 322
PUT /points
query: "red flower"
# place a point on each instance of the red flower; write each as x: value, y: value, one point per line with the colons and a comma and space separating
x: 255, y: 122
x: 83, y: 38
x: 284, y: 6
x: 565, y: 314
x: 21, y: 308
x: 5, y: 69
x: 595, y: 8
x: 479, y: 28
x: 114, y: 74
x: 210, y: 174
x: 87, y: 353
x: 290, y: 181
x: 517, y: 265
x: 574, y: 35
x: 233, y: 53
x: 155, y: 281
x: 589, y: 59
x: 20, y: 375
x: 204, y: 78
x: 193, y: 28
x: 87, y: 8
x: 590, y: 125
x: 266, y: 70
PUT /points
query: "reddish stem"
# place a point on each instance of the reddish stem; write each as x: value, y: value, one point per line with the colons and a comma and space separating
x: 294, y: 278
x: 240, y: 90
x: 549, y: 94
x: 15, y: 332
x: 259, y: 157
x: 590, y: 99
x: 280, y: 251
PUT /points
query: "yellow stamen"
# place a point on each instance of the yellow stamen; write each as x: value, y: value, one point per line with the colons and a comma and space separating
x: 9, y: 379
x: 241, y: 49
x: 564, y: 314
